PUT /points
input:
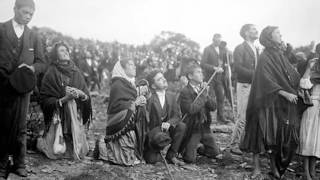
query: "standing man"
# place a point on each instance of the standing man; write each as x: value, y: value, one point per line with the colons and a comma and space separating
x: 245, y: 60
x: 21, y: 57
x: 211, y: 62
x: 165, y: 121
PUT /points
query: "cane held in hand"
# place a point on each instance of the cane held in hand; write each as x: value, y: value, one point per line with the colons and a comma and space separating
x: 202, y: 90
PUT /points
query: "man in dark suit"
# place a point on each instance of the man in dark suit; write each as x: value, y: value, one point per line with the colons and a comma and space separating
x: 19, y: 48
x: 165, y: 118
x: 212, y: 61
x: 245, y: 59
x: 197, y: 117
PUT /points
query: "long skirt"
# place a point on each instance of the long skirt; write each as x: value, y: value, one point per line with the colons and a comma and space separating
x: 76, y: 143
x: 121, y: 151
x: 310, y: 127
x: 275, y: 130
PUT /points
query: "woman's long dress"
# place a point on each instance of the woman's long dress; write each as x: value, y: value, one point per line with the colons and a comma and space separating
x: 310, y: 127
x: 120, y: 145
x: 73, y: 114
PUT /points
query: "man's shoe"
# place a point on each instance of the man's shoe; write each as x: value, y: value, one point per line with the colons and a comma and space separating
x: 177, y: 162
x: 22, y: 172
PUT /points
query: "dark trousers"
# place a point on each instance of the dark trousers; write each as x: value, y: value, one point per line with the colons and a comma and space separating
x: 13, y: 132
x: 218, y: 89
x: 177, y: 134
x: 210, y: 148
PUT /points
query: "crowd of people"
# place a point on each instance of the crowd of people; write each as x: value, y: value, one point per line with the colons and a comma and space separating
x: 277, y: 98
x: 96, y: 59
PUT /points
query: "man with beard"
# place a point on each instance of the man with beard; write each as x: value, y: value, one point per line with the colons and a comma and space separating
x: 245, y: 60
x: 21, y: 57
x: 165, y: 121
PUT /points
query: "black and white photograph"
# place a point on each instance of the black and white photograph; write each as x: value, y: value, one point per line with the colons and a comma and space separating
x: 159, y: 90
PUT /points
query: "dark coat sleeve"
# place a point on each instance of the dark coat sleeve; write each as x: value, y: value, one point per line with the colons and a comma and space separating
x: 211, y: 104
x: 241, y: 70
x: 205, y: 61
x: 186, y: 103
x: 176, y: 114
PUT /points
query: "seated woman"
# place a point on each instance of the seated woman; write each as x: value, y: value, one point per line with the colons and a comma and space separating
x: 65, y: 102
x: 120, y: 145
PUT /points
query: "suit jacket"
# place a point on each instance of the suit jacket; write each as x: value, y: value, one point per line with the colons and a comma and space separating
x: 32, y: 50
x: 198, y: 113
x: 31, y: 53
x: 244, y: 62
x: 155, y: 110
x: 210, y: 58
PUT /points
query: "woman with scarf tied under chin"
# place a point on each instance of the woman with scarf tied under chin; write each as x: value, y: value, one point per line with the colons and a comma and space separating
x: 273, y: 115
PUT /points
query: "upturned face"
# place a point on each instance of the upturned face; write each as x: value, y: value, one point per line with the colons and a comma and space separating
x: 196, y: 76
x: 160, y: 82
x: 130, y: 69
x: 253, y: 33
x: 63, y: 54
x: 276, y: 36
x: 23, y: 15
x: 216, y: 40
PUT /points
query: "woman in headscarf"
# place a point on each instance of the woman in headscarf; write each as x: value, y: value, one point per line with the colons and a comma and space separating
x: 272, y: 116
x: 120, y: 145
x: 65, y: 101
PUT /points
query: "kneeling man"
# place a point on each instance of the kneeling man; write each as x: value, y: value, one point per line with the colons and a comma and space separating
x: 165, y: 121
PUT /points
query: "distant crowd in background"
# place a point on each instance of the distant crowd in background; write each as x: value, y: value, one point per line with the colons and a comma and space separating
x: 96, y: 59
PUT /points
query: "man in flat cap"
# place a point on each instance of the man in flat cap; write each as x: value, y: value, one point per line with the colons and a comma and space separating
x: 21, y: 58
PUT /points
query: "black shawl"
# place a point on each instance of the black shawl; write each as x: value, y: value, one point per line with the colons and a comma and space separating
x: 122, y: 95
x: 53, y: 88
x: 273, y: 73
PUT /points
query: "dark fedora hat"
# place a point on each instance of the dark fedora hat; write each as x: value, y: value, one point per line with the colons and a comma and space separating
x: 22, y: 80
x: 158, y: 139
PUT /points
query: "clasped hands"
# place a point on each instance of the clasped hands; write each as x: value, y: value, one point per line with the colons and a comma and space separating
x: 74, y: 93
x: 140, y: 101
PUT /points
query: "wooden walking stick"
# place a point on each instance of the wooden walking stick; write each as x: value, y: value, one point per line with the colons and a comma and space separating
x: 167, y: 166
x: 145, y: 82
x: 230, y: 87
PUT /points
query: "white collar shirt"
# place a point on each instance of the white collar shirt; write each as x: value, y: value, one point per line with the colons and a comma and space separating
x: 18, y: 28
x: 162, y: 97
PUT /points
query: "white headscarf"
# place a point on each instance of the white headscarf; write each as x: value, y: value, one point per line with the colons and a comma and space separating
x: 118, y: 71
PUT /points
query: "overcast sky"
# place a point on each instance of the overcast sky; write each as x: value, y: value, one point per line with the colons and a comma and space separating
x: 138, y: 21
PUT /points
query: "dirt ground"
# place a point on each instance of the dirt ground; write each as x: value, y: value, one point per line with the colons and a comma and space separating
x: 230, y: 167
